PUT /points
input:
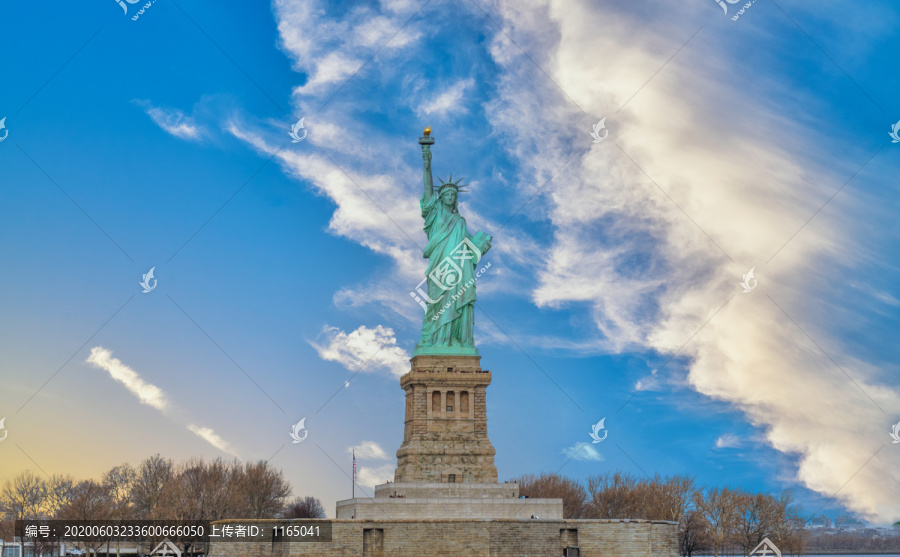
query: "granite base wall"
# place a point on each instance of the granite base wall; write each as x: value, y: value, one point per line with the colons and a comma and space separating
x: 448, y: 491
x: 391, y: 509
x: 473, y: 538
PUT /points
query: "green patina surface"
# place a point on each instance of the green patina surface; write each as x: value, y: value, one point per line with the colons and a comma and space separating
x: 453, y: 254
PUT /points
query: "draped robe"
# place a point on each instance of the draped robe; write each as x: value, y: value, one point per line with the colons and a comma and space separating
x: 450, y: 312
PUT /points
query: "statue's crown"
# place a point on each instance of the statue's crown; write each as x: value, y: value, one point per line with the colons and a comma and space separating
x: 451, y: 184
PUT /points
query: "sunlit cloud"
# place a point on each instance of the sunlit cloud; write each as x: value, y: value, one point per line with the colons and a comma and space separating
x: 148, y: 394
x: 210, y: 436
x: 364, y: 349
x: 369, y: 449
x: 652, y: 275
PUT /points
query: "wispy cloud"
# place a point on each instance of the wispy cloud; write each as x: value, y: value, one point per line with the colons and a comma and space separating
x: 450, y: 100
x: 173, y: 121
x: 211, y: 437
x: 364, y: 349
x: 331, y: 50
x: 583, y: 451
x: 149, y: 394
x: 728, y: 441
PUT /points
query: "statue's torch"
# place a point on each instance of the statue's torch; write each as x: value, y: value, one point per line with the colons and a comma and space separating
x: 426, y: 141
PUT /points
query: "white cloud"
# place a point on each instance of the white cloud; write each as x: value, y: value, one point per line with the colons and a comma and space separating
x: 728, y: 441
x: 583, y: 451
x: 368, y: 449
x: 173, y: 121
x: 364, y: 349
x: 210, y: 436
x: 148, y: 394
x: 450, y: 100
x: 650, y: 274
x: 370, y: 477
x: 330, y: 50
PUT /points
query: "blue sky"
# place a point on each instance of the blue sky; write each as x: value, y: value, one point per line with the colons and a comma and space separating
x: 163, y: 142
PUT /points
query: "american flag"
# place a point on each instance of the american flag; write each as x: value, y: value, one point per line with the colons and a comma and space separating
x: 354, y: 466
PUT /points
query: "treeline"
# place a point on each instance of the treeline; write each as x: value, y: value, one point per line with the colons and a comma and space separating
x: 158, y: 488
x: 712, y: 520
x: 852, y: 541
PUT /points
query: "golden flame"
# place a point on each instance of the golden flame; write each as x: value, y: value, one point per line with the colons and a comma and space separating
x: 427, y: 131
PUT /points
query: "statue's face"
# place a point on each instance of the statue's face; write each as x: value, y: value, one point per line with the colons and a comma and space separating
x: 448, y: 197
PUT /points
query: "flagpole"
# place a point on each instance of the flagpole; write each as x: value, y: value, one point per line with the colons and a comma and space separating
x: 354, y: 476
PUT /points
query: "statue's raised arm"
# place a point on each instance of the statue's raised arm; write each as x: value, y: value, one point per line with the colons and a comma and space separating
x: 426, y: 143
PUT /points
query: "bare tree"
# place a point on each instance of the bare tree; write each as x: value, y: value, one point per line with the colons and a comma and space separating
x: 152, y: 477
x: 787, y: 524
x: 757, y: 515
x: 693, y: 533
x: 719, y: 509
x: 611, y: 496
x: 90, y: 501
x: 673, y: 497
x: 554, y: 486
x: 262, y: 490
x: 24, y: 497
x: 218, y: 492
x: 304, y: 507
x: 119, y: 482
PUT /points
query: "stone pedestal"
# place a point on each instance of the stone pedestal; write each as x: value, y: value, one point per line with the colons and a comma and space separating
x: 394, y: 501
x: 445, y: 465
x: 445, y: 436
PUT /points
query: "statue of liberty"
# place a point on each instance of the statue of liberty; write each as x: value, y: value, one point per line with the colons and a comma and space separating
x: 452, y: 254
